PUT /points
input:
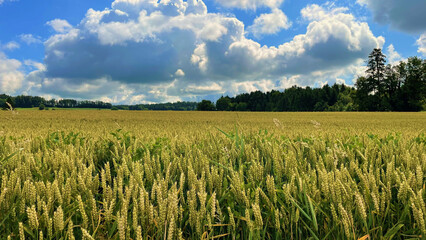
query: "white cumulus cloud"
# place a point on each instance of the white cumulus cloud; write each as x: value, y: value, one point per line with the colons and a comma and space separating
x: 179, y: 73
x: 10, y: 45
x: 150, y: 51
x: 30, y: 39
x: 11, y: 77
x: 421, y: 42
x: 393, y: 55
x: 60, y: 25
x: 269, y: 23
x: 250, y: 4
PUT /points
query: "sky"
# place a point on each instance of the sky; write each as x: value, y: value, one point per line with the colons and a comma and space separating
x: 150, y: 51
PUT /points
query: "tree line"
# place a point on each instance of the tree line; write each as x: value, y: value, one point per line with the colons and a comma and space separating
x: 30, y: 102
x: 177, y: 106
x: 338, y: 97
x: 400, y: 87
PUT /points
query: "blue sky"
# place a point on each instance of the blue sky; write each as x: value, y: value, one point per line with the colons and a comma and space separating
x: 145, y: 51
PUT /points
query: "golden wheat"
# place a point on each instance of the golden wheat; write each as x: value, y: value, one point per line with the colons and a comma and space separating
x: 189, y: 175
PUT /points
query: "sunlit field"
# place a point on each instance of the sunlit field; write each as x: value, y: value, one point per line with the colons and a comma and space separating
x: 211, y: 175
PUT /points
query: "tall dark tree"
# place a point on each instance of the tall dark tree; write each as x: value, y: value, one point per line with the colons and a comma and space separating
x: 371, y: 89
x: 376, y: 70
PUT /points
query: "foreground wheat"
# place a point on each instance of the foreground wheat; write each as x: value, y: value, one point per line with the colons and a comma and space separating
x: 217, y: 184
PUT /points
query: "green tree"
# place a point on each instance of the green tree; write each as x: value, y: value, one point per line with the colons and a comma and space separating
x: 321, y: 106
x: 371, y: 89
x: 391, y: 88
x: 376, y: 70
x: 41, y: 107
x: 241, y: 107
x: 414, y: 88
x: 344, y: 102
x: 2, y: 103
x: 205, y: 105
x: 365, y: 99
x: 401, y: 73
x: 223, y: 104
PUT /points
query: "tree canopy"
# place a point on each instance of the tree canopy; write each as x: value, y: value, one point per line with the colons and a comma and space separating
x: 206, y: 105
x: 401, y: 87
x: 30, y: 102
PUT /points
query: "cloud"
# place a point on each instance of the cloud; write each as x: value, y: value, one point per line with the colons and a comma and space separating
x: 30, y: 39
x: 250, y: 4
x: 179, y: 73
x: 10, y: 46
x: 146, y: 49
x: 60, y: 25
x: 393, y: 56
x: 270, y: 23
x: 176, y: 50
x: 333, y: 40
x: 3, y: 1
x: 316, y: 12
x: 407, y: 16
x: 421, y: 42
x: 11, y: 78
x: 35, y: 65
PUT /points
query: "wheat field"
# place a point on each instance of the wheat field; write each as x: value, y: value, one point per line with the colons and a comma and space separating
x: 211, y: 175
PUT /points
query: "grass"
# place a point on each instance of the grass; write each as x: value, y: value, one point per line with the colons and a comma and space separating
x: 196, y: 175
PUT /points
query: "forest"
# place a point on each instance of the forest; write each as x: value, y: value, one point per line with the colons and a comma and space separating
x: 177, y: 106
x: 30, y: 102
x: 400, y: 87
x: 43, y: 104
